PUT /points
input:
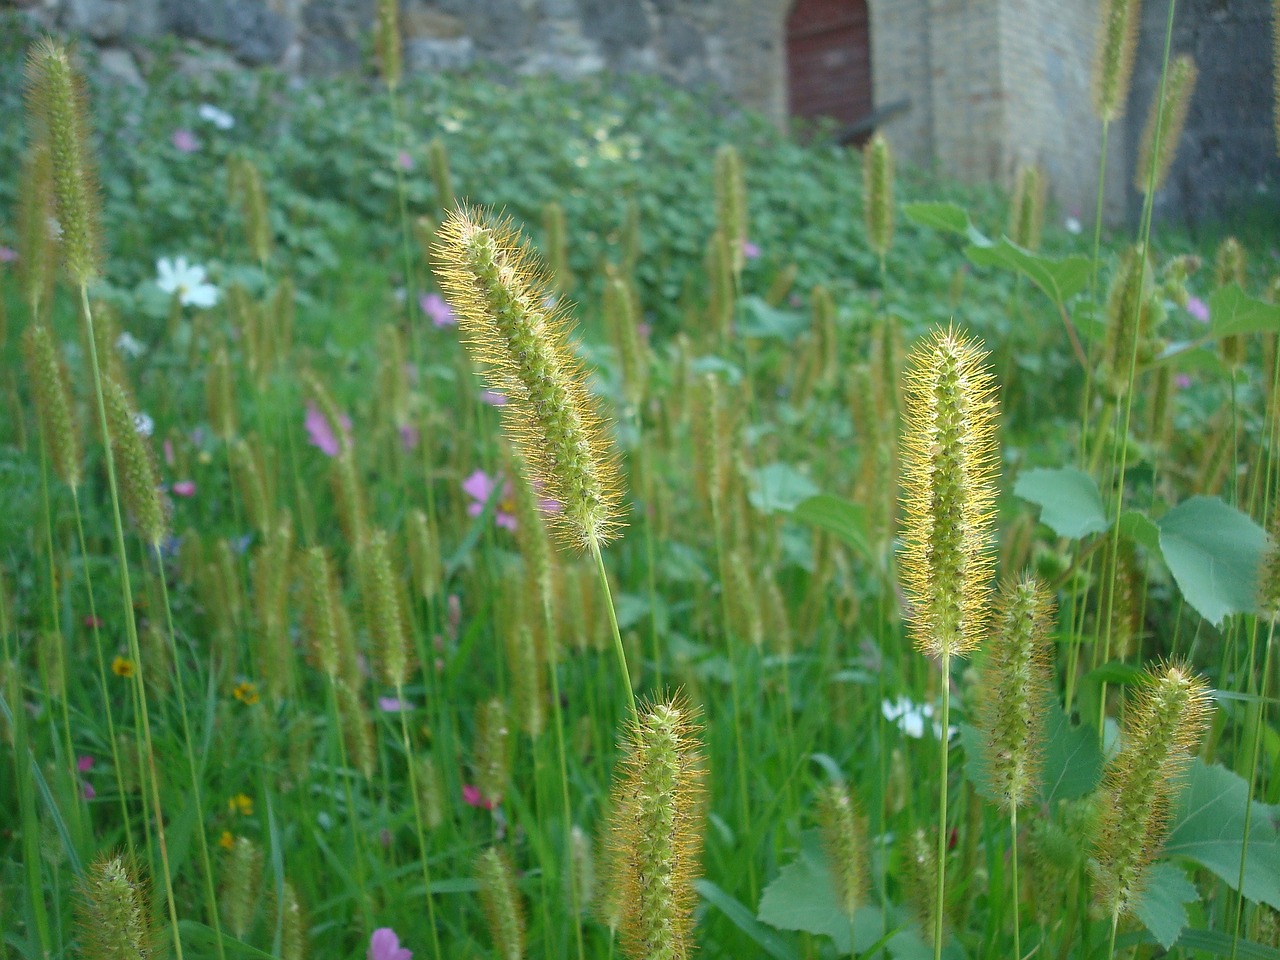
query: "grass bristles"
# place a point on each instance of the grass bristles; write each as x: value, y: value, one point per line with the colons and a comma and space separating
x: 500, y: 294
x: 1118, y: 22
x: 1179, y: 85
x: 654, y: 836
x: 115, y: 912
x: 501, y: 902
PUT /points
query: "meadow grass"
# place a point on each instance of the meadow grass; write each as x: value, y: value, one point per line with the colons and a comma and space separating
x: 678, y: 631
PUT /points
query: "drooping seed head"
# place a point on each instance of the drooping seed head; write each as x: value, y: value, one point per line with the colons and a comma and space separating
x: 1113, y: 58
x: 1171, y: 112
x: 501, y: 296
x: 52, y: 396
x: 134, y: 466
x: 1165, y: 723
x: 949, y: 471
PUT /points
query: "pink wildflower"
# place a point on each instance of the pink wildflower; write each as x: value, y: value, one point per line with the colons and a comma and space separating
x: 168, y: 452
x: 184, y: 488
x: 438, y: 309
x: 1182, y: 380
x: 184, y: 141
x: 8, y: 254
x: 84, y: 764
x: 408, y: 436
x: 480, y: 488
x: 750, y: 251
x: 394, y: 705
x: 404, y: 161
x: 494, y: 398
x: 472, y: 797
x: 385, y: 945
x: 1198, y: 309
x: 320, y: 431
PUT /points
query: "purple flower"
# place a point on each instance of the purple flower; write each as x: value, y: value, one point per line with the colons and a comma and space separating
x: 184, y: 141
x: 472, y: 797
x: 89, y: 792
x: 1198, y: 309
x: 750, y: 251
x: 438, y: 309
x: 409, y: 436
x: 8, y: 254
x: 393, y: 705
x: 385, y: 945
x: 480, y: 488
x: 494, y: 398
x: 84, y: 764
x: 184, y: 488
x: 404, y: 161
x: 320, y: 431
x: 1182, y: 380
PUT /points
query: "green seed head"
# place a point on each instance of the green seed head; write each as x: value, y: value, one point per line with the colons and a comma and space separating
x: 1171, y: 110
x: 114, y: 915
x: 1113, y: 58
x: 52, y: 396
x: 877, y: 194
x: 501, y: 902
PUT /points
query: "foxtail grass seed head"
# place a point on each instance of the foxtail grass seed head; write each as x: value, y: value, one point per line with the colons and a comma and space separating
x: 271, y: 579
x: 492, y: 750
x: 1162, y: 726
x: 247, y: 473
x: 36, y: 235
x: 528, y: 679
x: 1131, y: 315
x: 114, y: 915
x: 1120, y: 599
x: 1026, y: 214
x: 920, y: 880
x: 57, y: 106
x: 499, y: 293
x: 384, y: 611
x: 1229, y: 263
x: 52, y: 397
x: 844, y: 837
x: 244, y: 182
x: 620, y: 316
x: 1016, y: 689
x: 1269, y: 574
x: 386, y: 41
x: 582, y: 869
x: 424, y: 553
x: 877, y: 195
x: 1113, y: 58
x: 557, y: 247
x: 242, y: 876
x: 502, y: 906
x: 220, y: 396
x: 1171, y: 111
x: 357, y: 731
x: 431, y: 793
x: 731, y: 207
x: 293, y: 924
x: 655, y: 837
x: 720, y: 289
x: 134, y: 467
x: 949, y: 467
x: 438, y: 162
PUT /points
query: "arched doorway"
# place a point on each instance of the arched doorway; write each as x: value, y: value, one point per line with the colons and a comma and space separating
x: 829, y: 60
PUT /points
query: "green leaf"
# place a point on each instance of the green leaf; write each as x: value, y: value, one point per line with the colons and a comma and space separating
x: 947, y: 217
x: 1060, y: 280
x: 766, y: 939
x: 1233, y: 312
x: 1141, y: 529
x: 779, y: 488
x: 1215, y: 553
x: 1208, y: 827
x: 1070, y: 503
x: 1160, y: 907
x: 1072, y: 759
x: 1211, y: 941
x: 802, y: 897
x: 845, y: 521
x: 765, y: 322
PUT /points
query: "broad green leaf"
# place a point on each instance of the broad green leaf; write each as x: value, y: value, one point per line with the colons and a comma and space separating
x: 1160, y: 907
x: 1232, y: 311
x: 762, y: 321
x: 766, y: 939
x: 195, y: 934
x: 1070, y: 503
x: 1221, y: 944
x: 1060, y: 280
x: 1214, y: 553
x: 802, y: 897
x: 948, y: 217
x: 779, y: 488
x: 1072, y: 760
x: 845, y: 521
x: 1138, y: 527
x: 1208, y: 827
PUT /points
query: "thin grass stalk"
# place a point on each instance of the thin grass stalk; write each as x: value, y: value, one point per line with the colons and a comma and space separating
x: 417, y: 822
x: 618, y: 648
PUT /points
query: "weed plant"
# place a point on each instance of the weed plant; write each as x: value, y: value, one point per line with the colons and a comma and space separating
x: 811, y: 573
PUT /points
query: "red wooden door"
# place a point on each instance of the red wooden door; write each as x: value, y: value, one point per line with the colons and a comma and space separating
x: 829, y: 59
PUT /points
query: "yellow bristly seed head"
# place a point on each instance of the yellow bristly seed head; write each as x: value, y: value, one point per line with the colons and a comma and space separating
x: 244, y: 183
x: 497, y: 289
x: 113, y: 913
x: 501, y: 903
x: 384, y: 610
x: 1016, y: 685
x: 271, y: 580
x: 38, y: 262
x: 319, y: 611
x: 1026, y: 214
x: 220, y: 397
x: 1171, y: 110
x: 438, y: 161
x: 1165, y: 723
x: 492, y: 763
x: 654, y: 835
x: 56, y: 105
x: 949, y: 468
x: 1113, y: 57
x: 844, y: 836
x: 386, y: 41
x: 1269, y: 579
x: 240, y: 889
x: 877, y: 194
x: 53, y: 403
x: 1131, y: 317
x: 134, y: 467
x: 731, y: 206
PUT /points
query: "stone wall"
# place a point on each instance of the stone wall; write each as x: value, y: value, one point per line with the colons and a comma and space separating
x: 1227, y: 155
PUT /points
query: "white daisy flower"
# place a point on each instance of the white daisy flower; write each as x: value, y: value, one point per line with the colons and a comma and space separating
x: 187, y: 281
x: 219, y: 118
